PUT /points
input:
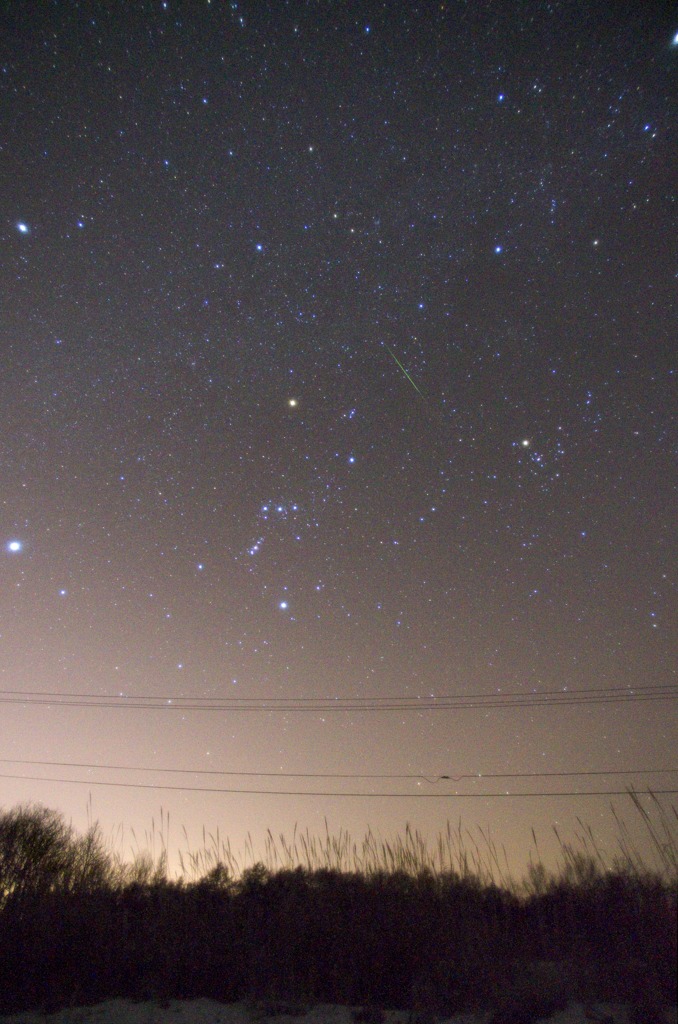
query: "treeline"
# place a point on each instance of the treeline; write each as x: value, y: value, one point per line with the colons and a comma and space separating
x: 78, y: 927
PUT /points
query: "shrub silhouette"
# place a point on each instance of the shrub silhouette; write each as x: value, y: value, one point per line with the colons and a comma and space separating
x: 39, y: 853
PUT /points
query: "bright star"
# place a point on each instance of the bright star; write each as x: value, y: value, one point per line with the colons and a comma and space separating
x: 283, y: 605
x: 292, y: 402
x: 15, y: 546
x: 498, y: 249
x: 23, y: 228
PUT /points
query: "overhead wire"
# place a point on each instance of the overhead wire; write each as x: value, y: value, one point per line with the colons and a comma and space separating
x: 341, y: 775
x: 564, y: 691
x: 543, y: 698
x: 324, y: 793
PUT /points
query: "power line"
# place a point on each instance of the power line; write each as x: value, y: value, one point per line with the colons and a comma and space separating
x: 428, y: 706
x: 341, y: 775
x: 438, y: 706
x: 372, y: 699
x: 597, y: 695
x: 324, y: 793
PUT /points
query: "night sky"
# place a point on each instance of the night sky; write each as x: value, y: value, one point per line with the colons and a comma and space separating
x: 337, y: 364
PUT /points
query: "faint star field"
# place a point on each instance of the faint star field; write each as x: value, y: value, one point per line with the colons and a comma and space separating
x: 338, y: 363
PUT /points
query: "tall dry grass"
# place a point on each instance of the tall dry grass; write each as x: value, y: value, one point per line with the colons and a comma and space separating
x: 469, y: 854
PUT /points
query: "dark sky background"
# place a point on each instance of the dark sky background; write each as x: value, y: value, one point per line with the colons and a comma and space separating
x: 337, y: 363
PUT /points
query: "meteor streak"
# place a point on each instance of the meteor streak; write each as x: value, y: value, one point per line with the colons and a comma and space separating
x: 394, y: 356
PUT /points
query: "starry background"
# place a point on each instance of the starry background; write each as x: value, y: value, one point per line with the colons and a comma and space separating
x: 336, y: 363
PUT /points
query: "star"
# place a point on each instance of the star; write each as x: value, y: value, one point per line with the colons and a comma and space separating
x: 15, y: 546
x: 23, y: 228
x: 292, y: 402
